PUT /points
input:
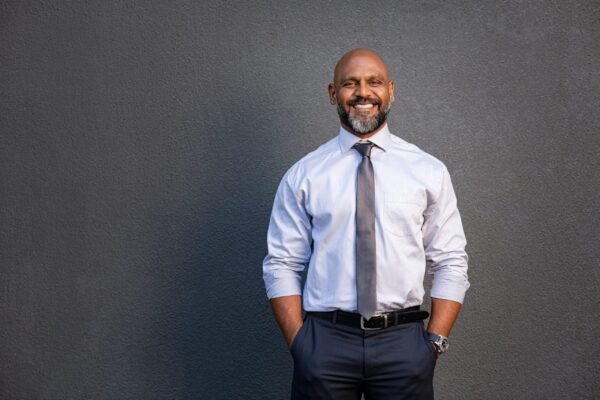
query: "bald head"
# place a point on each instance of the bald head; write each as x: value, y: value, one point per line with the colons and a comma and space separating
x: 359, y: 56
x: 362, y: 92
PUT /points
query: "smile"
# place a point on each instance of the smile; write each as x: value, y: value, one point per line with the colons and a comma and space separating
x: 363, y: 106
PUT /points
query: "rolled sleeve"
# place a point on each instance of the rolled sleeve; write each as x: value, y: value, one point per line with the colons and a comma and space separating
x: 288, y: 241
x: 444, y: 242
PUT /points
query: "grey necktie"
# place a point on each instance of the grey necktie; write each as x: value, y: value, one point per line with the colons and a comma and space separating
x: 366, y: 272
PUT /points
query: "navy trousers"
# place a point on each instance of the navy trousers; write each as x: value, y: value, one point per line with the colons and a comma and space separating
x: 335, y: 361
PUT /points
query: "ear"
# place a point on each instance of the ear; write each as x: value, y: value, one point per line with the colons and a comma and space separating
x: 332, y: 97
x: 391, y: 90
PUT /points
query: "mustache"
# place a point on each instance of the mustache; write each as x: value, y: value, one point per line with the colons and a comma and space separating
x: 364, y: 100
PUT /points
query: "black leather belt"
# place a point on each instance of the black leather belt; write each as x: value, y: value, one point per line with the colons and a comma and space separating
x: 379, y: 321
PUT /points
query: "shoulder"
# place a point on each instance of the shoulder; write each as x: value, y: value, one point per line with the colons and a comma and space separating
x: 417, y: 157
x: 303, y: 167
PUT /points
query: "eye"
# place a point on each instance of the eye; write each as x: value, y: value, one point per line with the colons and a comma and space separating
x: 349, y: 84
x: 375, y: 82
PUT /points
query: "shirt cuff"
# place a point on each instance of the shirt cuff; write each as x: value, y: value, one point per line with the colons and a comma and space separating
x: 453, y: 291
x: 283, y: 283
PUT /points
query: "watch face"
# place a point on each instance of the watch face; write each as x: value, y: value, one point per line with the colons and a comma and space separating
x: 444, y: 344
x: 441, y: 342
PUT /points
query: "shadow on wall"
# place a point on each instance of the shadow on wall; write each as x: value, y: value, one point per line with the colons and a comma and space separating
x: 212, y: 334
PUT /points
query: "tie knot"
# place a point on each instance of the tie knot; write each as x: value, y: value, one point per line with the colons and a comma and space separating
x: 364, y: 148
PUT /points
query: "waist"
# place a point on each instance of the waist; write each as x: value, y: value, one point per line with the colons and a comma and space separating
x: 377, y: 322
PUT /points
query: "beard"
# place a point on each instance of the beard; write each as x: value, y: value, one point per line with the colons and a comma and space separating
x: 361, y: 125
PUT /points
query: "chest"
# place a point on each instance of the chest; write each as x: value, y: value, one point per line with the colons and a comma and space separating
x: 401, y: 191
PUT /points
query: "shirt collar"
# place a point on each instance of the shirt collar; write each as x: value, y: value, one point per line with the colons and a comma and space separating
x: 382, y: 139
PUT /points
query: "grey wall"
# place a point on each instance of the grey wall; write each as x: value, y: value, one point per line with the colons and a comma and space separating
x: 142, y: 142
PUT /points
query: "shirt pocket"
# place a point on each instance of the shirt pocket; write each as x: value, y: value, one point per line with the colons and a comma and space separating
x: 403, y: 214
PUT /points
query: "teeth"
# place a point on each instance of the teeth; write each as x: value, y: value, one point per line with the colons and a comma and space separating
x: 363, y: 106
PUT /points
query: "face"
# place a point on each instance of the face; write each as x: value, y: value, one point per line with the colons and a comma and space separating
x: 362, y: 92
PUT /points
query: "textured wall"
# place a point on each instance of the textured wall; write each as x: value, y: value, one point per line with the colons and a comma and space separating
x: 142, y: 142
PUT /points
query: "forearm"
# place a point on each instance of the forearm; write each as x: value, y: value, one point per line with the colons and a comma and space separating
x: 443, y: 315
x: 288, y: 314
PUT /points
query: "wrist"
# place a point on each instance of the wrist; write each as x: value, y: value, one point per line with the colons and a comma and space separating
x: 440, y: 342
x: 292, y: 332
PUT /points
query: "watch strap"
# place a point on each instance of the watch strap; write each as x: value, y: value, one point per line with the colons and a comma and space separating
x: 434, y: 337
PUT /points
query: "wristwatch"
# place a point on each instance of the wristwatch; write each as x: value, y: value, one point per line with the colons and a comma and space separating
x: 440, y: 342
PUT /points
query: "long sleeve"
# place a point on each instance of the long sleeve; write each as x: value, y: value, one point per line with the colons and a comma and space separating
x: 444, y: 243
x: 289, y: 243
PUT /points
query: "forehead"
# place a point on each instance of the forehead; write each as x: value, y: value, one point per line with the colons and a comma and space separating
x: 360, y: 66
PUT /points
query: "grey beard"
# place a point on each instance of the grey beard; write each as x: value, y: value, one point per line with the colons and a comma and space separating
x: 364, y: 127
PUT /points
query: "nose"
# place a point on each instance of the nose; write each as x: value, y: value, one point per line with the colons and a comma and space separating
x: 363, y: 90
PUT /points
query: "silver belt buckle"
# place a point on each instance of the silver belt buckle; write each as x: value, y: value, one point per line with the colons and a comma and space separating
x: 364, y: 328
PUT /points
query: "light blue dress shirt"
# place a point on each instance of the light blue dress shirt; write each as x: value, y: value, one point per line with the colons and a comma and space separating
x: 313, y: 224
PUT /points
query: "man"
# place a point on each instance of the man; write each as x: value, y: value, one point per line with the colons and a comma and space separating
x: 365, y: 211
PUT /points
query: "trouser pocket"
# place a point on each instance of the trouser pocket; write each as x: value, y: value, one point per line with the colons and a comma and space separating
x: 298, y: 337
x: 428, y: 342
